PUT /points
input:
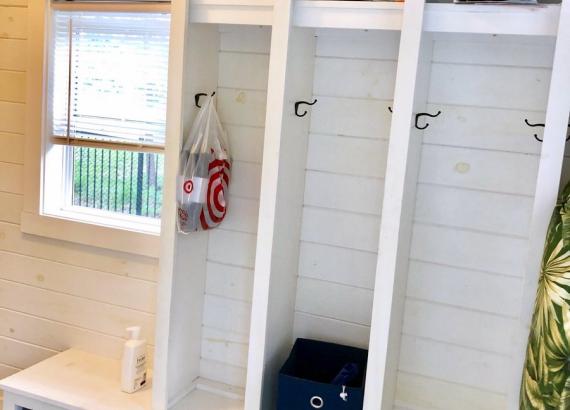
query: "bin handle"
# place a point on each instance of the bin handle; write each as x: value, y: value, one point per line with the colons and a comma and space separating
x: 344, y: 395
x: 317, y: 402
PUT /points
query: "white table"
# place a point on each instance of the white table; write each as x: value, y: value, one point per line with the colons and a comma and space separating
x: 72, y: 380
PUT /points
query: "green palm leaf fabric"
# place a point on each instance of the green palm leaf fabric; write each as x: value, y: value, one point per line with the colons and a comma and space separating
x: 546, y: 375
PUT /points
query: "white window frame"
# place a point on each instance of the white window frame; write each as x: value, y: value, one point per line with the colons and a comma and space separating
x: 40, y: 216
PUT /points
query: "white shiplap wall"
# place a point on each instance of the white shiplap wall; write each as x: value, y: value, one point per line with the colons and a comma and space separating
x: 54, y: 295
x: 474, y: 197
x: 242, y: 88
x: 354, y: 83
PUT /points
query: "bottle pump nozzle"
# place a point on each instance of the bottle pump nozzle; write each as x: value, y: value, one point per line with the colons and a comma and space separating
x: 134, y: 332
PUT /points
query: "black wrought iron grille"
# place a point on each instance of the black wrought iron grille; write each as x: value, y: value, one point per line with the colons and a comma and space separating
x: 119, y: 181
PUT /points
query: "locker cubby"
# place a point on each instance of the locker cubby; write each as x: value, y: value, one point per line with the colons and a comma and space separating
x: 212, y: 271
x: 330, y: 184
x: 477, y: 168
x: 345, y: 166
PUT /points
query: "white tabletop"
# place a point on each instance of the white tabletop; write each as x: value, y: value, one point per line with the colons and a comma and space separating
x: 77, y: 380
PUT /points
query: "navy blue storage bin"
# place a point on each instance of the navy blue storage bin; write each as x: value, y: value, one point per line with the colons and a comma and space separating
x: 305, y: 378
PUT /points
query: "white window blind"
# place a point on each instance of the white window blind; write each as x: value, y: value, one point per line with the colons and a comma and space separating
x: 109, y: 79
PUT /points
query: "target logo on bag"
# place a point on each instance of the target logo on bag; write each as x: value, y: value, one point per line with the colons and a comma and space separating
x: 214, y: 209
x: 188, y: 186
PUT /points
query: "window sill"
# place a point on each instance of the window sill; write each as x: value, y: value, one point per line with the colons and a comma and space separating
x: 144, y: 243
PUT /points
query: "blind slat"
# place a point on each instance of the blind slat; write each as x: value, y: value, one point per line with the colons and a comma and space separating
x: 74, y: 142
x: 158, y: 6
x: 110, y: 77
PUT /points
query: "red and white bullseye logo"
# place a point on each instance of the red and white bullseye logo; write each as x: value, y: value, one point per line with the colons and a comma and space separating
x: 188, y: 186
x: 215, y: 210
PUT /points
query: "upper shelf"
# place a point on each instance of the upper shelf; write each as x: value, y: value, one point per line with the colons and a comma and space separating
x: 539, y: 20
x: 382, y: 15
x: 371, y: 15
x: 451, y: 18
x: 250, y: 12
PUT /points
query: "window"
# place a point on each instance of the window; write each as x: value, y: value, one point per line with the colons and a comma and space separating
x: 117, y: 181
x: 106, y: 116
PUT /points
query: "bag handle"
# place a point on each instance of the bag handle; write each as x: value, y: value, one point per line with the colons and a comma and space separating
x: 223, y: 142
x: 209, y: 105
x: 214, y: 132
x: 195, y: 130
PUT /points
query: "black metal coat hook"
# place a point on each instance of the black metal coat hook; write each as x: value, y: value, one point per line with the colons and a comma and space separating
x: 298, y: 103
x: 197, y: 98
x: 421, y: 114
x: 390, y: 109
x: 540, y: 125
x: 534, y: 125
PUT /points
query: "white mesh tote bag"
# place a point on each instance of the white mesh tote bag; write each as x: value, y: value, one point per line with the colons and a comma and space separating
x: 204, y: 175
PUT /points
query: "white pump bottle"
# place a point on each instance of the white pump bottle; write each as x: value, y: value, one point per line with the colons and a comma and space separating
x: 133, y: 372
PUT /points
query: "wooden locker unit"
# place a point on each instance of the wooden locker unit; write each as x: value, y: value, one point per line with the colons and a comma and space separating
x: 349, y: 224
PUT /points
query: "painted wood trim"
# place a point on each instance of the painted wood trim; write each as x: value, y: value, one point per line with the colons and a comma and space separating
x: 349, y: 14
x: 137, y: 243
x: 281, y: 198
x: 395, y: 227
x: 547, y: 187
x: 268, y: 204
x: 168, y: 244
x: 448, y: 18
x: 541, y: 20
x: 33, y: 147
x: 250, y: 12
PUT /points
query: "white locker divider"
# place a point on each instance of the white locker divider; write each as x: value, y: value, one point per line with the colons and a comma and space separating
x: 327, y: 210
x: 398, y: 208
x: 281, y: 204
x: 547, y: 189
